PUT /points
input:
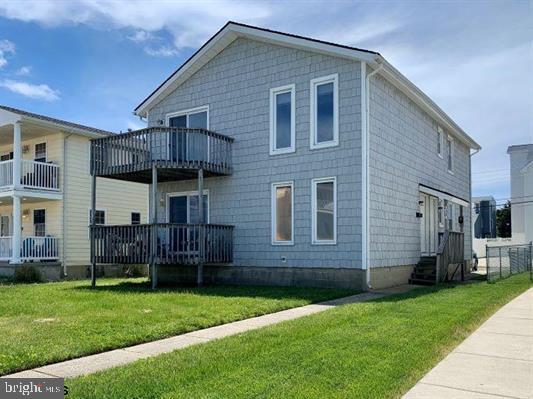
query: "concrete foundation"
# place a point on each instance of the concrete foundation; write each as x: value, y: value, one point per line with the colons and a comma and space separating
x: 49, y: 271
x: 384, y: 277
x: 80, y: 272
x: 277, y: 276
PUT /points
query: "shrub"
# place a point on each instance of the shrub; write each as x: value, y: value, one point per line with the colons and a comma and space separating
x: 27, y: 274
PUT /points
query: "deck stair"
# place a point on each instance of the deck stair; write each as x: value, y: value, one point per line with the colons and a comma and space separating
x: 424, y: 273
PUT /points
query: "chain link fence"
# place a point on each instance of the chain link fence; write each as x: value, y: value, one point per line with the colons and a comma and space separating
x: 504, y: 261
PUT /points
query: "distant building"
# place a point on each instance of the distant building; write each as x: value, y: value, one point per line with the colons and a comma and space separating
x: 521, y: 158
x: 484, y: 217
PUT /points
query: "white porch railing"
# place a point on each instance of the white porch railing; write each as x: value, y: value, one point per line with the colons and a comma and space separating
x: 5, y: 248
x: 31, y: 248
x: 41, y: 175
x: 37, y: 175
x: 6, y: 173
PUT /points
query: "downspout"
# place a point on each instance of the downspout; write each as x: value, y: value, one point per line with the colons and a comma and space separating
x: 470, y: 205
x: 365, y: 154
x: 63, y: 217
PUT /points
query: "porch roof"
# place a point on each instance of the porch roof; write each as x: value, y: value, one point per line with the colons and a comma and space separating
x: 57, y: 123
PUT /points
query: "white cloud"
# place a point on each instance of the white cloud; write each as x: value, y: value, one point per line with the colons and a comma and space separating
x: 23, y: 71
x: 135, y: 124
x: 189, y: 23
x: 141, y: 36
x: 40, y: 91
x: 6, y: 47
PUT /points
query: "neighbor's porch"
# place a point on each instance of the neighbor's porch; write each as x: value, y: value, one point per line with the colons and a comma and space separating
x: 39, y: 230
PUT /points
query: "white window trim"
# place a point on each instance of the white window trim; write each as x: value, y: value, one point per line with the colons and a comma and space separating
x: 314, y: 183
x: 274, y: 212
x: 440, y: 137
x: 273, y: 93
x: 187, y: 112
x: 312, y: 111
x: 45, y: 147
x: 186, y: 194
x: 451, y: 154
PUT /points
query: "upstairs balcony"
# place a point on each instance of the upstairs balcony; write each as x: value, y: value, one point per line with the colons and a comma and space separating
x: 178, y: 153
x: 33, y: 175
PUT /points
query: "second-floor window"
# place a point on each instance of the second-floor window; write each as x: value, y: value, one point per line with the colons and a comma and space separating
x: 440, y: 134
x: 282, y: 122
x: 324, y: 112
x: 40, y: 152
x: 449, y: 145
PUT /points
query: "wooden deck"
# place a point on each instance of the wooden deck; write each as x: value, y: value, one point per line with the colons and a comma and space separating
x: 178, y: 153
x: 168, y: 243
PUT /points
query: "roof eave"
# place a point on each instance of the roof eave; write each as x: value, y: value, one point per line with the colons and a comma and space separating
x: 65, y: 128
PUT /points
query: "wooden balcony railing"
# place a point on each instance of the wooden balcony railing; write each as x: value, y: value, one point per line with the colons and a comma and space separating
x: 166, y: 147
x: 176, y: 244
x: 450, y: 256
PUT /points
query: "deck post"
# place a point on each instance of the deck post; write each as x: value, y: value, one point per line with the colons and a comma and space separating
x: 200, y: 276
x: 153, y: 246
x: 91, y: 230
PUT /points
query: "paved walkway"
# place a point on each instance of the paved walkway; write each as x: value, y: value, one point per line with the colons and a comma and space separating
x: 118, y: 357
x: 496, y: 361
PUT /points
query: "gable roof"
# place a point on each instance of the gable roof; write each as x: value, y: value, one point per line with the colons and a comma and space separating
x: 80, y: 129
x: 233, y: 30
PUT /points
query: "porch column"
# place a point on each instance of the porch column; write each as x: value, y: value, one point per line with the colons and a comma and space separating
x: 17, y: 155
x: 200, y: 276
x: 91, y: 230
x: 17, y: 231
x: 153, y: 221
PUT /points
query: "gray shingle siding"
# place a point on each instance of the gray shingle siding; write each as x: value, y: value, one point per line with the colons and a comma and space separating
x: 403, y: 154
x: 236, y: 85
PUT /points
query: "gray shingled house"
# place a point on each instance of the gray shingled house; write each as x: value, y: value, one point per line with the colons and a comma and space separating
x: 318, y: 164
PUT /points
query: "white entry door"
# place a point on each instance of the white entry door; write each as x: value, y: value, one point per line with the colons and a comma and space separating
x: 428, y: 224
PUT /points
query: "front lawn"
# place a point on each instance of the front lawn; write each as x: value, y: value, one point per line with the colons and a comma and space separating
x: 47, y: 323
x: 375, y: 349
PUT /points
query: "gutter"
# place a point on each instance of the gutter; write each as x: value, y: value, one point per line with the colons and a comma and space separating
x: 470, y: 206
x: 63, y: 215
x: 365, y: 154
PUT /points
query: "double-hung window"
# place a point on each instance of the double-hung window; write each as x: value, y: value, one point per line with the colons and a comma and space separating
x: 449, y: 147
x: 324, y: 112
x: 282, y: 213
x: 40, y: 152
x: 135, y: 218
x: 282, y: 120
x: 440, y: 135
x: 39, y: 222
x: 324, y: 210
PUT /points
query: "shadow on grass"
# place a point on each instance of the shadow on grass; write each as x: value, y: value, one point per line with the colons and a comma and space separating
x: 266, y: 292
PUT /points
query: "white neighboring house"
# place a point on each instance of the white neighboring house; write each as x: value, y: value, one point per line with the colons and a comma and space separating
x: 521, y: 158
x: 45, y: 195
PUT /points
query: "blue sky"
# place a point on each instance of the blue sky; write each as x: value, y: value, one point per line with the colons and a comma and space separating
x: 93, y: 61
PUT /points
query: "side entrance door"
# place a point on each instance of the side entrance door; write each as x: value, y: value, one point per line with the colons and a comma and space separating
x: 428, y: 224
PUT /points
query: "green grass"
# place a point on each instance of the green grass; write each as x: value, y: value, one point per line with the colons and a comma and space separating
x: 46, y: 323
x: 376, y: 349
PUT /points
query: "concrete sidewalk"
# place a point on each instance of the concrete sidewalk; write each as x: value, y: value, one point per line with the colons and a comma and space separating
x: 496, y: 361
x: 118, y: 357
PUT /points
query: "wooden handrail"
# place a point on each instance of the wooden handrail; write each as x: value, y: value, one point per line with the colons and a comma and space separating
x: 450, y: 252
